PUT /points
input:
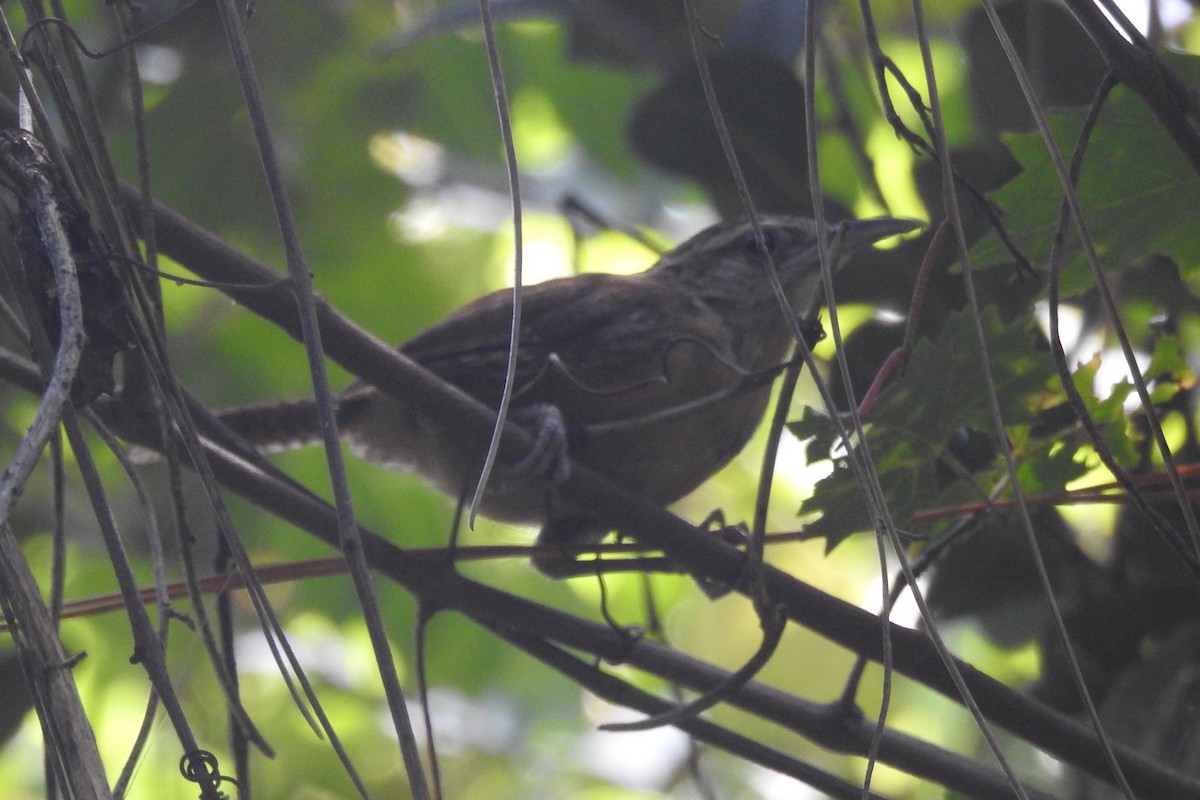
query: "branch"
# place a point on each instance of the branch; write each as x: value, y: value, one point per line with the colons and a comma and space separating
x: 1139, y: 67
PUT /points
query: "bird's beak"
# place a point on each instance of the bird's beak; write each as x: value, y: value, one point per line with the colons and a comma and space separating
x: 859, y: 233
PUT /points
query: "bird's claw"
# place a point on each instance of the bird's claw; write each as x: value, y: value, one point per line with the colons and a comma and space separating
x: 548, y: 458
x: 737, y: 534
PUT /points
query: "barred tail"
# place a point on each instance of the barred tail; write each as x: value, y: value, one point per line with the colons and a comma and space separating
x: 274, y: 427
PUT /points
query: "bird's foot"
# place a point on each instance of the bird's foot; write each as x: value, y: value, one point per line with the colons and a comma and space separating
x: 548, y: 458
x: 737, y: 534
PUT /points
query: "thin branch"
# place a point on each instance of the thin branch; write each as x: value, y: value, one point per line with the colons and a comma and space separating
x: 350, y: 542
x: 1137, y: 65
x: 496, y: 70
x: 71, y: 740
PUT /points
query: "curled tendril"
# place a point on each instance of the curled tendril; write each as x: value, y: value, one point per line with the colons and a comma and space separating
x: 96, y: 55
x: 200, y: 766
x: 180, y: 280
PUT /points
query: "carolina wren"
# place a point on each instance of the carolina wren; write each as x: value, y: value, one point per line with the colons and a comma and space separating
x: 655, y: 380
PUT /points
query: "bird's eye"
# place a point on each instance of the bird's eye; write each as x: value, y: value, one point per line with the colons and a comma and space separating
x: 749, y: 245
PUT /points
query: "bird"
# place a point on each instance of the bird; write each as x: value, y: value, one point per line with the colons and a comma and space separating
x: 655, y: 380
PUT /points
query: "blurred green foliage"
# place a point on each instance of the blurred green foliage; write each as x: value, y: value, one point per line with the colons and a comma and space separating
x: 619, y: 121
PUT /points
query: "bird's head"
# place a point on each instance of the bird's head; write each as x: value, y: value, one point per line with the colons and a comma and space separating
x: 726, y: 264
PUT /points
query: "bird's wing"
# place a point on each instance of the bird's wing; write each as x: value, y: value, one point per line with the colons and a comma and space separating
x: 602, y: 339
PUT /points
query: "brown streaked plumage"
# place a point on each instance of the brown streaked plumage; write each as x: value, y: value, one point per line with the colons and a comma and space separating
x: 661, y: 377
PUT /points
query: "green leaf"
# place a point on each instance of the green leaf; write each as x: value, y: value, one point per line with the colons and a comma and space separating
x: 1133, y: 186
x: 1109, y: 413
x: 940, y: 393
x: 1046, y: 465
